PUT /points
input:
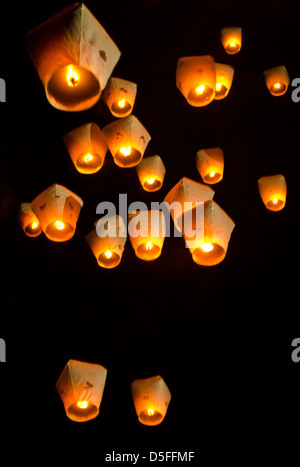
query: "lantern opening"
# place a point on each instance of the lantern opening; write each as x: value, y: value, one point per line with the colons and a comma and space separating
x: 152, y: 184
x: 59, y: 231
x: 278, y: 88
x: 89, y: 163
x: 121, y: 108
x: 148, y: 251
x: 275, y: 204
x: 212, y: 177
x: 127, y: 157
x: 82, y: 411
x: 108, y: 259
x: 200, y: 95
x: 232, y: 47
x: 208, y: 254
x: 73, y: 87
x: 150, y: 417
x: 82, y: 404
x: 33, y: 229
x: 221, y: 91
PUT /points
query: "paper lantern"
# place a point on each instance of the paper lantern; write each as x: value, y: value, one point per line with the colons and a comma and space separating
x: 119, y: 95
x: 28, y: 220
x: 107, y: 241
x: 74, y: 57
x: 231, y: 39
x: 213, y: 243
x: 277, y: 80
x: 87, y: 148
x: 57, y: 210
x: 196, y: 79
x: 127, y: 140
x: 80, y: 387
x: 151, y: 172
x: 210, y: 164
x: 273, y: 189
x: 151, y: 398
x: 184, y: 196
x: 224, y: 77
x: 147, y: 230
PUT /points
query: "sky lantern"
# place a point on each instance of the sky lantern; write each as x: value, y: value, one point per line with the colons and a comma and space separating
x: 210, y: 248
x: 277, y: 80
x: 273, y: 190
x: 224, y: 77
x: 107, y: 241
x: 57, y: 210
x: 119, y: 95
x: 28, y: 220
x: 151, y: 172
x: 80, y: 387
x: 147, y: 230
x: 74, y: 57
x: 185, y: 196
x: 87, y: 148
x: 151, y: 398
x: 210, y: 164
x: 196, y: 79
x: 127, y: 140
x: 231, y: 39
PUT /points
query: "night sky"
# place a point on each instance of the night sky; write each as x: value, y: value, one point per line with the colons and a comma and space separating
x: 220, y: 336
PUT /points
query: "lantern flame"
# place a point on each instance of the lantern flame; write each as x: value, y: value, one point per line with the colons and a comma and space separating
x: 199, y: 90
x: 275, y: 201
x: 122, y: 103
x: 150, y: 412
x: 125, y: 151
x: 34, y: 225
x: 82, y: 404
x: 59, y: 225
x: 207, y: 247
x: 218, y: 87
x: 212, y: 174
x: 277, y: 85
x: 150, y: 181
x: 88, y: 158
x: 232, y: 44
x: 108, y: 254
x: 149, y: 246
x: 72, y: 77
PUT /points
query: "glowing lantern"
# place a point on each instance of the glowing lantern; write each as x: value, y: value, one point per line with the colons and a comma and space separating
x: 80, y: 387
x: 196, y: 79
x: 277, y: 80
x: 231, y: 39
x: 28, y: 220
x: 74, y: 57
x: 184, y: 196
x: 127, y: 140
x: 151, y: 398
x: 210, y: 164
x: 273, y: 189
x: 107, y: 241
x: 224, y: 77
x: 119, y: 95
x: 57, y: 210
x: 87, y: 148
x: 151, y: 172
x: 210, y: 248
x: 147, y: 230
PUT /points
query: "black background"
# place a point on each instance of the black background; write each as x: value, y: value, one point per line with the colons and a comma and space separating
x: 220, y: 336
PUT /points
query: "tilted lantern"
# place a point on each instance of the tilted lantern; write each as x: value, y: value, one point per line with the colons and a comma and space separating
x: 147, y: 230
x: 119, y: 95
x: 231, y: 39
x: 80, y: 387
x: 224, y: 77
x: 74, y: 57
x: 151, y: 172
x: 184, y: 196
x: 151, y: 398
x: 57, y: 210
x: 127, y: 140
x: 107, y: 241
x: 273, y: 190
x: 213, y: 243
x: 196, y: 79
x: 87, y: 148
x: 277, y: 80
x: 28, y: 220
x: 210, y: 164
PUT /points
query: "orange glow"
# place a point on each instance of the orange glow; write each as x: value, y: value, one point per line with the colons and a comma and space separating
x: 88, y: 158
x: 150, y: 412
x: 277, y: 85
x: 72, y: 77
x: 122, y: 103
x: 59, y: 225
x: 232, y: 44
x: 82, y: 404
x: 126, y: 151
x: 149, y: 246
x: 108, y: 254
x: 212, y: 174
x: 200, y: 90
x: 207, y: 247
x: 218, y: 87
x: 275, y: 201
x: 150, y: 181
x: 34, y: 225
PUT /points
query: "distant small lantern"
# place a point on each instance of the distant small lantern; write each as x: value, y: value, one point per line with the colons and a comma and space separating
x: 224, y: 77
x: 196, y: 79
x: 277, y: 80
x: 147, y: 230
x: 57, y: 210
x: 74, y: 57
x: 107, y: 241
x: 273, y: 190
x: 151, y: 172
x: 231, y: 39
x: 80, y: 387
x: 184, y: 196
x: 210, y: 164
x: 28, y: 220
x: 127, y: 140
x: 217, y: 230
x: 119, y: 95
x: 151, y: 398
x: 87, y: 148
